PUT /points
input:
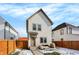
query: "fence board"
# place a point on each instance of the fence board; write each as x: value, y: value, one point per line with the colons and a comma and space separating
x: 7, y: 46
x: 68, y: 44
x: 23, y: 44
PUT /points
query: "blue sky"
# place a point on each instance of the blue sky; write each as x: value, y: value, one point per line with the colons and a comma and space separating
x: 17, y: 14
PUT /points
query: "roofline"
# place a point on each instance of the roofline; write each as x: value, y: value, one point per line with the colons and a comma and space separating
x: 11, y: 27
x: 43, y: 13
x: 63, y: 25
x: 8, y: 23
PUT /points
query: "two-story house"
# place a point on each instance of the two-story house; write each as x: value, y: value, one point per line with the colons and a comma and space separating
x: 39, y: 29
x: 7, y: 31
x: 66, y: 32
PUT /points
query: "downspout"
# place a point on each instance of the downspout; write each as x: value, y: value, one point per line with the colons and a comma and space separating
x: 9, y: 31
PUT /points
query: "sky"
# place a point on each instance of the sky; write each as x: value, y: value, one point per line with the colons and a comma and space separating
x: 17, y: 13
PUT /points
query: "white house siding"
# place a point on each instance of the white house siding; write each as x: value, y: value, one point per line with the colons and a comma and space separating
x: 66, y: 37
x: 45, y: 26
x: 75, y: 31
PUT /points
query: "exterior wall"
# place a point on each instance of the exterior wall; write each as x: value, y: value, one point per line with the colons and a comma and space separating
x: 1, y: 28
x: 66, y: 37
x: 75, y: 30
x: 5, y: 31
x: 2, y: 31
x: 10, y: 33
x: 46, y: 30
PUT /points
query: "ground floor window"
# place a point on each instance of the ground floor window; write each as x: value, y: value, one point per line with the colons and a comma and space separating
x: 43, y: 40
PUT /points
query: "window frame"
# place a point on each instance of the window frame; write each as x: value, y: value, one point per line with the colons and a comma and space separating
x: 41, y: 39
x: 70, y: 30
x: 33, y: 27
x: 67, y: 30
x: 45, y: 40
x: 62, y: 31
x: 39, y: 27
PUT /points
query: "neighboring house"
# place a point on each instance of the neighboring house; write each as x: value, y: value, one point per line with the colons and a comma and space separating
x: 66, y: 32
x: 6, y: 30
x: 39, y: 29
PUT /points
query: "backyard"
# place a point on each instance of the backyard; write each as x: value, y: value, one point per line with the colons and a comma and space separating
x: 48, y: 51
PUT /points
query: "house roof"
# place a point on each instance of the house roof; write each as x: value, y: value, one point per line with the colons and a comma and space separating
x: 63, y: 25
x: 43, y: 13
x: 6, y: 23
x: 23, y: 38
x: 36, y: 13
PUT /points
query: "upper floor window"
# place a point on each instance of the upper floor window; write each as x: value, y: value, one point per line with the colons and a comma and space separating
x: 39, y: 27
x: 70, y: 30
x: 34, y: 26
x: 61, y: 31
x: 67, y: 29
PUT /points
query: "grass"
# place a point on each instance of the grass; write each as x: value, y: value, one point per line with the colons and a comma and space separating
x: 53, y: 53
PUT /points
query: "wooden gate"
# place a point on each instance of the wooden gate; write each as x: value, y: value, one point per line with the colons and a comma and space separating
x: 23, y: 44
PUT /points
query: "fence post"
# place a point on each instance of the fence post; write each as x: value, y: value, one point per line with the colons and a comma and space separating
x: 7, y: 46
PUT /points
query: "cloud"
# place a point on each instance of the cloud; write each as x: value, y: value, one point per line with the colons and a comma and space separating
x: 58, y: 13
x: 22, y: 11
x: 15, y: 10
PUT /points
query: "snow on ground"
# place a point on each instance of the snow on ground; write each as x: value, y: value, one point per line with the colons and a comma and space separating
x: 22, y: 52
x: 68, y: 51
x: 63, y: 51
x: 25, y: 52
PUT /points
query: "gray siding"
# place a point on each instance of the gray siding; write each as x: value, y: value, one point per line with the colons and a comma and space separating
x: 5, y: 31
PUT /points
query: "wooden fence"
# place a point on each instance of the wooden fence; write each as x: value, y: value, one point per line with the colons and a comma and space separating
x: 23, y: 44
x: 68, y: 44
x: 7, y: 46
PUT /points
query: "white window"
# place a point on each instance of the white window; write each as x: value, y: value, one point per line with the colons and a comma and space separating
x: 39, y: 27
x: 43, y: 40
x: 34, y: 26
x: 62, y: 32
x: 70, y: 30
